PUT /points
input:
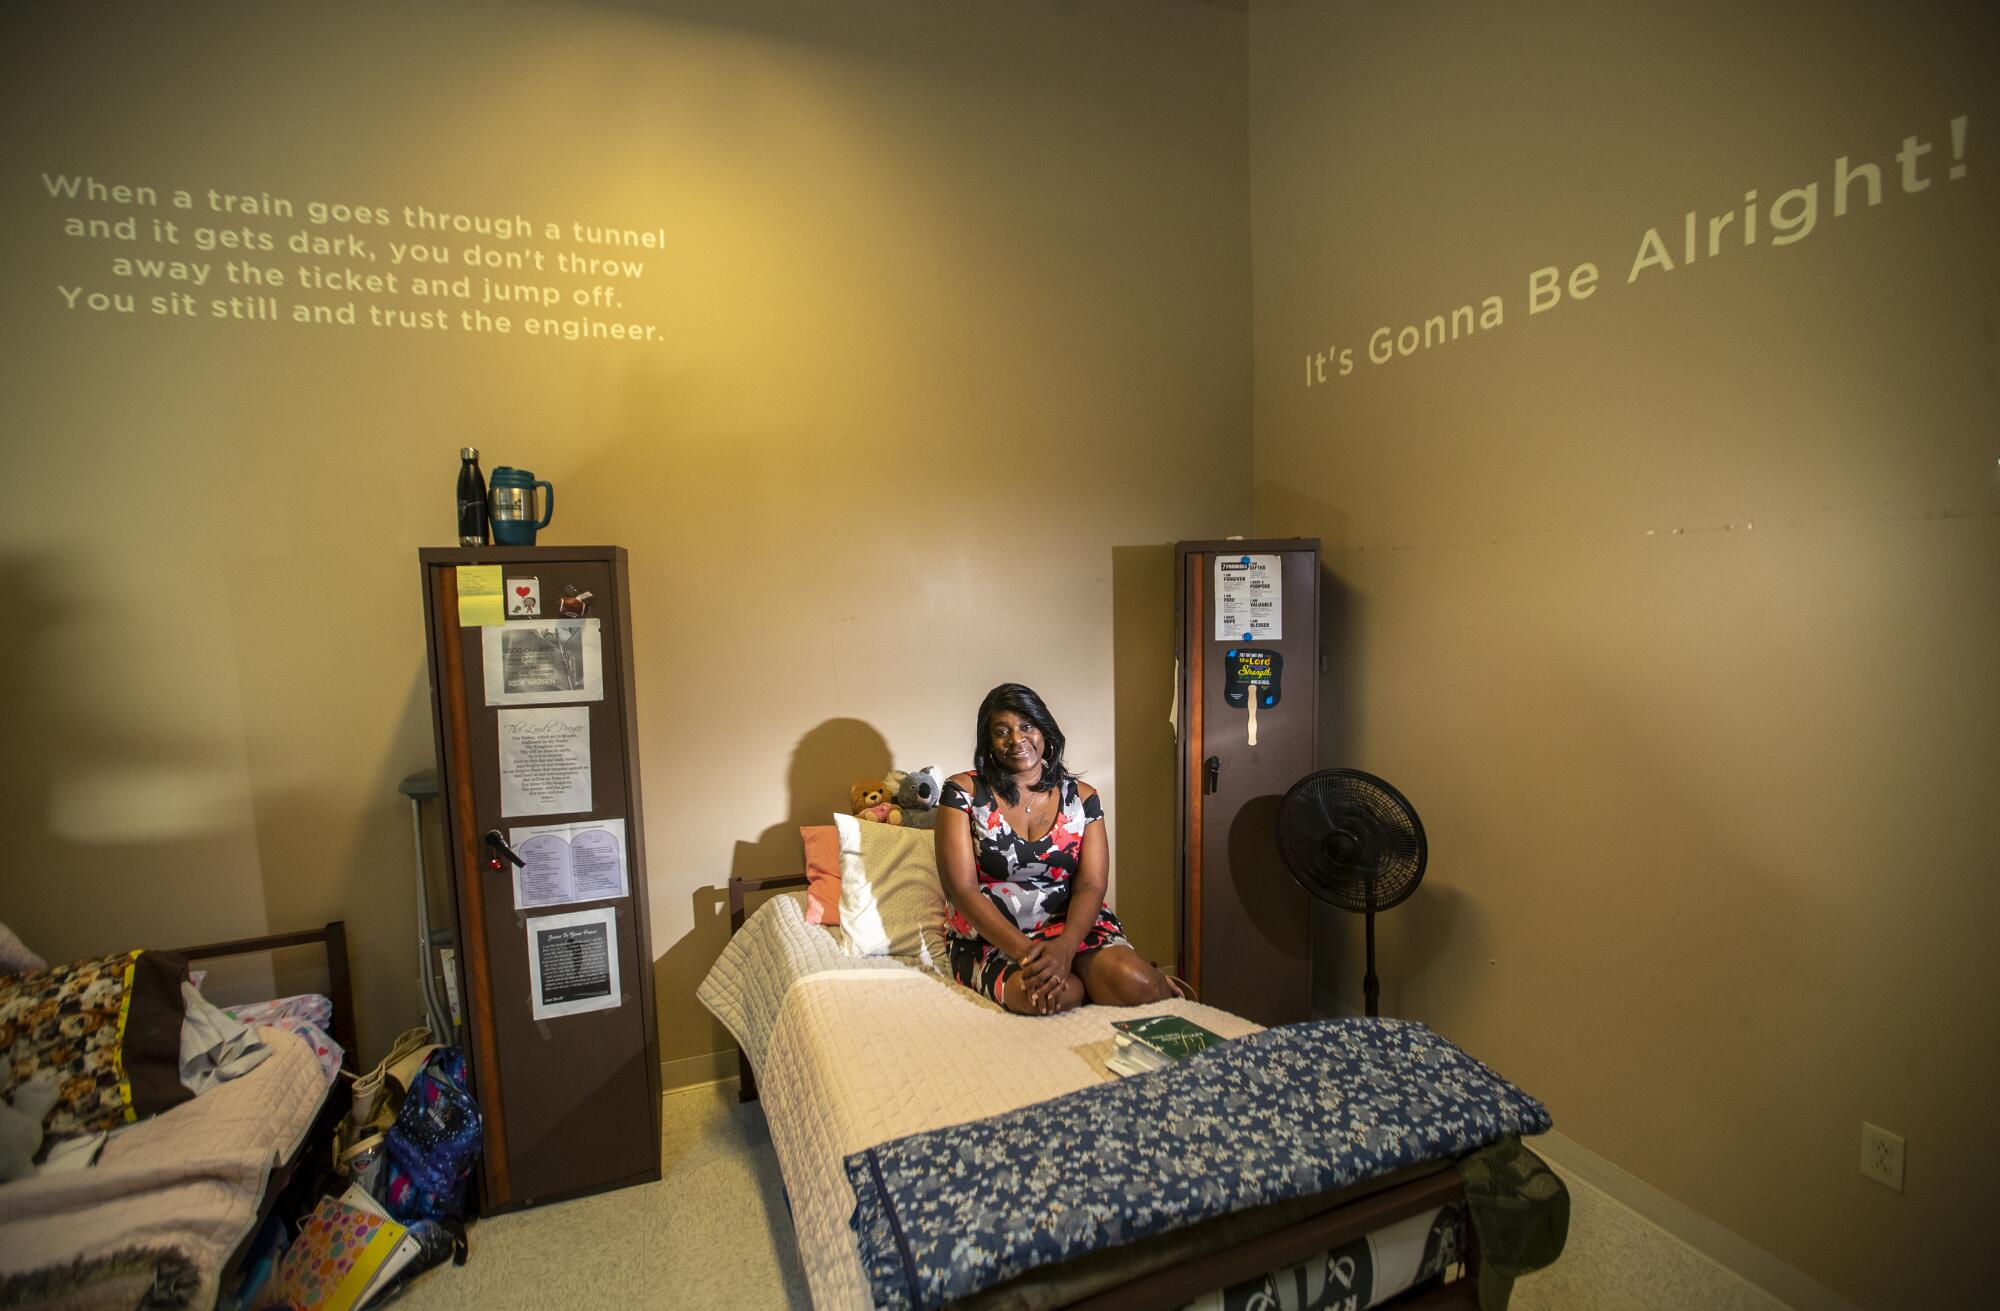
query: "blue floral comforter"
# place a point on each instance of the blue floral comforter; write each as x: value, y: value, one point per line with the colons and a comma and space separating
x: 1284, y: 1113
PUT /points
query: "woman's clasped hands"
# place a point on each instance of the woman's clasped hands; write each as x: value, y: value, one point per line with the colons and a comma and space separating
x: 1045, y: 968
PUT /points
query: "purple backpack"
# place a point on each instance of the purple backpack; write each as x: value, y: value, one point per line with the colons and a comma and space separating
x: 434, y: 1146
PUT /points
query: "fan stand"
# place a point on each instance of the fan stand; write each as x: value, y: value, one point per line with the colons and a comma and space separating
x: 1340, y: 848
x: 1371, y: 987
x: 1342, y: 832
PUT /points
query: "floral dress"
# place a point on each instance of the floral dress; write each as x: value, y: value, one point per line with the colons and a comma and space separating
x: 1028, y: 881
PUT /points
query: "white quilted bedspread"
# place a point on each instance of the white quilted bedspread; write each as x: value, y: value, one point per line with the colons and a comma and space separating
x: 190, y: 1179
x: 775, y: 948
x: 860, y: 1051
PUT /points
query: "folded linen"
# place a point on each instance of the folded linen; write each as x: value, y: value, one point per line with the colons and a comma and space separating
x: 308, y: 1015
x: 215, y: 1046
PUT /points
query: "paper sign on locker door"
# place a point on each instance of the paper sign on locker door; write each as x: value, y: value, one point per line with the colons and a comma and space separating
x: 1249, y: 598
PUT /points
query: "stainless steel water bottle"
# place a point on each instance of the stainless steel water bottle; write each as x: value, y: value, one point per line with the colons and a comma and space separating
x: 473, y: 529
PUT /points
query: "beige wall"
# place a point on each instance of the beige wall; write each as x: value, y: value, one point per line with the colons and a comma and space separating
x: 1672, y: 609
x: 954, y: 306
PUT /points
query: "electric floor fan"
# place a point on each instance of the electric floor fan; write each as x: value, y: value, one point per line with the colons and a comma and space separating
x: 1354, y: 842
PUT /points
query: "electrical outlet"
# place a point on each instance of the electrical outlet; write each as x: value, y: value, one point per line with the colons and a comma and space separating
x: 1882, y: 1156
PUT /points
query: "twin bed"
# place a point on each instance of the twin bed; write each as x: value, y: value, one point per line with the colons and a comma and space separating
x: 165, y: 1214
x: 858, y: 1057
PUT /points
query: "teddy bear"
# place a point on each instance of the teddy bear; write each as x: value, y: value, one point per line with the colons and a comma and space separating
x: 917, y: 793
x: 875, y: 799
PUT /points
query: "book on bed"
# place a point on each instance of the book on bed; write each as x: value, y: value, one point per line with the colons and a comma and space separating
x: 1156, y: 1042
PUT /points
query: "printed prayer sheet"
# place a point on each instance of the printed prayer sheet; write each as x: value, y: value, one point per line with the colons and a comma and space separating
x: 544, y: 761
x: 573, y: 963
x: 569, y: 863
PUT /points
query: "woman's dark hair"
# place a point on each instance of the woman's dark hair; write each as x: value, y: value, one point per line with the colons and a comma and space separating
x: 1023, y: 702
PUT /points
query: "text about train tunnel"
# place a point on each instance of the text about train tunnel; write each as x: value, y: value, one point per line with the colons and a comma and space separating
x: 202, y: 254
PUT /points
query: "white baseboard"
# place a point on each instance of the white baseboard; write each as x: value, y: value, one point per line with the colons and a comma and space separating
x: 1725, y: 1247
x: 691, y: 1071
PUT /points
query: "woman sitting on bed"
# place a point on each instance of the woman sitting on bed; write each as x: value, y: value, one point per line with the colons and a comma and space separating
x: 1021, y: 848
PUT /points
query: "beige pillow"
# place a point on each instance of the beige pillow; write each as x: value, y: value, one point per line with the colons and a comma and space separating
x: 891, y: 901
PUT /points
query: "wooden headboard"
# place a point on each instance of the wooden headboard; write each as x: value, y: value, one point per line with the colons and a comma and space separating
x: 740, y: 889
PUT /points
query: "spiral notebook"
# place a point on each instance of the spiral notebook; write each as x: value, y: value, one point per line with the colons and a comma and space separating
x: 346, y: 1250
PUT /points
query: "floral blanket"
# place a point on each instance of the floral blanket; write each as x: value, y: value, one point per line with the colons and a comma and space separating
x: 169, y: 1198
x: 1286, y: 1113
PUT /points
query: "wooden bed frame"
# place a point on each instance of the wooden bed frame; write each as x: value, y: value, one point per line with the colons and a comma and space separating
x: 1301, y: 1240
x: 315, y: 1149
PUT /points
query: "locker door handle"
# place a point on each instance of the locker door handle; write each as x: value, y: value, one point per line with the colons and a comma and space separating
x: 1211, y: 774
x: 497, y: 850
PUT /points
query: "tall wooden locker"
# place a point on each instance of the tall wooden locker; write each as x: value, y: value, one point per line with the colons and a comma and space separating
x: 530, y: 654
x: 1248, y: 725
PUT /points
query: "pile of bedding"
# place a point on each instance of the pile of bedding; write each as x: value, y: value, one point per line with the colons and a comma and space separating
x: 154, y: 1121
x: 175, y: 1190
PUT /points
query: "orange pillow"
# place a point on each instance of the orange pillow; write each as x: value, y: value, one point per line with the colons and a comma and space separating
x: 822, y: 873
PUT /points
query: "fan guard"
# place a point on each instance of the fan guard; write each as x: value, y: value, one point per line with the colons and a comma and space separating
x: 1351, y: 840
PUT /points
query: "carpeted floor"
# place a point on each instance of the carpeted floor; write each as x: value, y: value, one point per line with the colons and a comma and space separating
x: 715, y: 1233
x: 1617, y: 1260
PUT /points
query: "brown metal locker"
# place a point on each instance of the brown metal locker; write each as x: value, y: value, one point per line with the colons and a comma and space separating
x: 1245, y: 924
x: 571, y: 1097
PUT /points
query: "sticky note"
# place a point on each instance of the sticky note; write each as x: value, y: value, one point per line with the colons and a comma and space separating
x: 481, y: 600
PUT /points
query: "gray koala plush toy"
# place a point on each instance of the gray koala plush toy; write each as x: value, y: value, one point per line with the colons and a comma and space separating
x: 918, y: 795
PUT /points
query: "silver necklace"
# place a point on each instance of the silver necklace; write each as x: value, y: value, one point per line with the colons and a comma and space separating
x: 1028, y: 808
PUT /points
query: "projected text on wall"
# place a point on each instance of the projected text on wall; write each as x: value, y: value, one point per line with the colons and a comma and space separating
x: 1700, y: 235
x: 201, y: 254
